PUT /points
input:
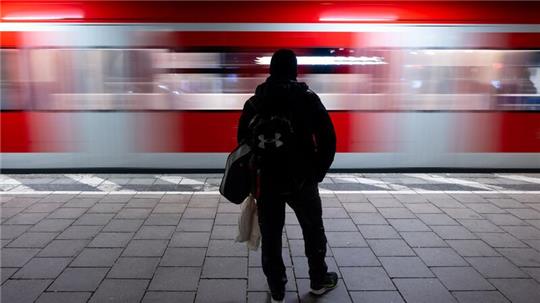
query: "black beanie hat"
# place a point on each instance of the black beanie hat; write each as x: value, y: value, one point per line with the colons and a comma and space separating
x: 283, y: 64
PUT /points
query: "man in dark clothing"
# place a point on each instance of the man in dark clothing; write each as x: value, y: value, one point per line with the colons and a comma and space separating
x: 316, y: 141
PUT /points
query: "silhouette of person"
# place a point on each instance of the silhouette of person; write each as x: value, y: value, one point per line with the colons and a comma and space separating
x: 316, y: 140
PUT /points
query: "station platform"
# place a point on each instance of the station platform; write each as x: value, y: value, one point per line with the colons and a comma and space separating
x: 428, y: 237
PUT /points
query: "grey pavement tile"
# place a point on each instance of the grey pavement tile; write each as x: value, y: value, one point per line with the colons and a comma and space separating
x: 461, y: 278
x: 534, y: 272
x: 221, y: 291
x: 133, y: 213
x: 294, y: 232
x: 533, y: 243
x: 469, y: 198
x: 440, y: 256
x: 190, y: 239
x: 447, y: 203
x: 163, y: 219
x: 472, y: 248
x: 339, y: 225
x: 397, y: 213
x: 437, y: 219
x: 94, y: 219
x: 424, y: 208
x: 106, y: 208
x: 339, y: 294
x: 422, y: 239
x: 366, y: 278
x: 376, y: 297
x: 335, y: 213
x: 96, y: 257
x: 359, y: 208
x: 175, y: 198
x: 260, y: 296
x: 201, y: 225
x: 390, y: 247
x: 199, y: 213
x: 168, y: 297
x: 176, y: 279
x: 79, y: 232
x: 145, y: 248
x: 81, y: 202
x: 480, y: 226
x: 155, y: 232
x: 411, y: 198
x: 6, y: 273
x: 226, y: 219
x: 485, y: 208
x: 301, y: 267
x: 63, y: 248
x: 134, y: 268
x: 183, y: 257
x: 25, y: 218
x: 345, y: 239
x: 64, y: 297
x: 535, y: 223
x: 142, y: 203
x: 423, y: 290
x: 57, y: 198
x: 52, y: 225
x: 526, y: 198
x: 123, y: 225
x: 355, y: 257
x: 523, y: 232
x: 453, y: 232
x: 500, y: 240
x: 225, y: 267
x: 496, y: 267
x: 169, y: 208
x: 385, y: 202
x: 378, y: 232
x: 116, y: 198
x: 7, y: 213
x: 462, y: 213
x: 480, y: 297
x: 257, y: 279
x: 79, y: 279
x: 368, y: 219
x: 42, y: 268
x: 522, y: 256
x: 507, y: 203
x: 203, y: 203
x: 346, y: 197
x: 67, y: 213
x: 405, y: 267
x: 110, y: 239
x: 117, y: 290
x: 16, y: 257
x: 33, y: 240
x: 22, y: 291
x: 8, y: 232
x: 43, y: 207
x: 518, y: 290
x: 408, y: 225
x: 224, y: 232
x: 504, y: 219
x: 226, y: 248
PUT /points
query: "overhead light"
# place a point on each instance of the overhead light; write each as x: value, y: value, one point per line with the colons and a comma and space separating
x: 329, y: 60
x: 42, y: 16
x: 366, y: 18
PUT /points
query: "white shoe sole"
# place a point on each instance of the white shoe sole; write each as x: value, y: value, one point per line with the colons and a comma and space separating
x: 276, y: 301
x: 321, y: 291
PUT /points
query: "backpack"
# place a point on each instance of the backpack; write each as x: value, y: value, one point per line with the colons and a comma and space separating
x: 276, y: 142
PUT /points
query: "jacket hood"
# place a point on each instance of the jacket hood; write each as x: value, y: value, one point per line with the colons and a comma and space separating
x: 280, y: 89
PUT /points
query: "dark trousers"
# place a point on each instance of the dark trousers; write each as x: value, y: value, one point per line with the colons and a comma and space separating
x: 307, y: 206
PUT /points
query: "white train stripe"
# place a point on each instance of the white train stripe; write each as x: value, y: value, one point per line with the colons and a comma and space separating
x: 270, y: 27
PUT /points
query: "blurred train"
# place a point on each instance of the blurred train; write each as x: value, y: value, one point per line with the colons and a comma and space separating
x: 161, y: 84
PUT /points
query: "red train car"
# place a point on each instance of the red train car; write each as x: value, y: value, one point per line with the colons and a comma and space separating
x: 161, y: 84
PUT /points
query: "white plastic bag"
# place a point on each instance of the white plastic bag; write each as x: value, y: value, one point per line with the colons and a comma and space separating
x: 248, y: 224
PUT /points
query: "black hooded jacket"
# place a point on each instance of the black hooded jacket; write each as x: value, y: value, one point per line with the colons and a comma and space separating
x: 308, y: 112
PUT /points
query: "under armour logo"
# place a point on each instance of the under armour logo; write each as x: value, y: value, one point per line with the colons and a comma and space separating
x: 263, y: 141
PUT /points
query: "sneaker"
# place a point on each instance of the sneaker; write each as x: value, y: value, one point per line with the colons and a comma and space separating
x: 328, y: 283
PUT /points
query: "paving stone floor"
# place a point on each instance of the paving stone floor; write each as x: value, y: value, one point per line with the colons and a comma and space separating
x: 391, y: 237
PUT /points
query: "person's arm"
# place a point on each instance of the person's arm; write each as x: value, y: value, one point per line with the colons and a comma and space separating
x: 325, y: 137
x: 243, y: 125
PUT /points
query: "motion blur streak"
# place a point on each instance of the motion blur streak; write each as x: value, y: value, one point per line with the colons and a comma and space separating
x: 136, y: 84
